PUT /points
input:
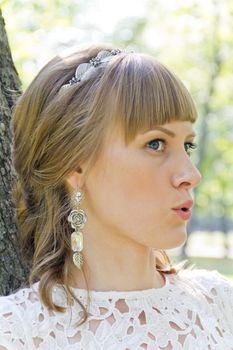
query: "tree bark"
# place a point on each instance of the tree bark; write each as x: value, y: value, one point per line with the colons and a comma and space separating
x: 13, y: 270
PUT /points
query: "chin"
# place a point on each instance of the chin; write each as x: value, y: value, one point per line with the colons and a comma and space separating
x: 178, y: 238
x: 181, y: 237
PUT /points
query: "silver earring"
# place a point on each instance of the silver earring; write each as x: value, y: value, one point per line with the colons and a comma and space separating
x: 77, y: 218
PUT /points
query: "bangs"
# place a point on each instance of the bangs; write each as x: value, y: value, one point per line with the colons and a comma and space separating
x: 144, y: 93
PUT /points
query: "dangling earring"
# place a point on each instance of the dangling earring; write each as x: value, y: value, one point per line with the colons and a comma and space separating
x: 77, y: 218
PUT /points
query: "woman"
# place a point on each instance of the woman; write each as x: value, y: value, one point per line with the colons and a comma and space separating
x: 102, y: 143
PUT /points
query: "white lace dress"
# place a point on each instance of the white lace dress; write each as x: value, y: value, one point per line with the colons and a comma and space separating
x: 192, y: 311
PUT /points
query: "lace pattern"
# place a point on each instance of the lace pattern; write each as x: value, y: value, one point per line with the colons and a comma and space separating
x: 194, y: 310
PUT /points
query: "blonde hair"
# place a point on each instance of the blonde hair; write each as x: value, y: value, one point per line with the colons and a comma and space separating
x: 55, y: 130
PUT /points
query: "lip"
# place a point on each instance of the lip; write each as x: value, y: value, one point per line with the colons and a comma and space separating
x: 188, y: 205
x: 184, y: 210
x: 184, y: 215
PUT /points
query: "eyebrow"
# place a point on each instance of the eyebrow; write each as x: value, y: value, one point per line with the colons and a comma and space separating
x: 170, y: 133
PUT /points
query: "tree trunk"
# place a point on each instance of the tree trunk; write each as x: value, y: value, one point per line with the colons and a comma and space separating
x: 13, y: 270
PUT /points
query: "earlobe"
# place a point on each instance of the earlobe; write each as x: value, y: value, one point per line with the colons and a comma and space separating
x: 74, y: 179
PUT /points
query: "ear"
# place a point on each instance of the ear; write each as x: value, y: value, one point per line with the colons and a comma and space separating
x: 74, y: 179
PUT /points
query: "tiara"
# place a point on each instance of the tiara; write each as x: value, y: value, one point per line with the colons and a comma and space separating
x: 84, y: 69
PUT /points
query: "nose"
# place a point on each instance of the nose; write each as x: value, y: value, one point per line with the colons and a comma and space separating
x: 187, y: 176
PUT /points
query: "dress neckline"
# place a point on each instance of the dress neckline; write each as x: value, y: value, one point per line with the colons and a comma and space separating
x: 132, y: 294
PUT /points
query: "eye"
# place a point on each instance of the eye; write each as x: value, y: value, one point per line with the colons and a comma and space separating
x: 190, y: 147
x: 156, y: 144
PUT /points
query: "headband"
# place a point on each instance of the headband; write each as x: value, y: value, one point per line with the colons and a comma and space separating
x: 84, y: 69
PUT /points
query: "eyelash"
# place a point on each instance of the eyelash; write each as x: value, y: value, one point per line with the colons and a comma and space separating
x: 192, y: 146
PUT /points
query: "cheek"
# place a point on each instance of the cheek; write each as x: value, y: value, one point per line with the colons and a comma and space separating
x: 137, y: 184
x: 127, y: 192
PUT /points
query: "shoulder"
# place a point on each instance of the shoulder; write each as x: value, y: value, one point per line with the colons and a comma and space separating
x: 211, y: 281
x: 25, y: 320
x: 15, y: 311
x: 21, y: 300
x: 216, y: 288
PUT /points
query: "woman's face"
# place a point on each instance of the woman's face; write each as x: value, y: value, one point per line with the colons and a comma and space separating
x: 131, y: 190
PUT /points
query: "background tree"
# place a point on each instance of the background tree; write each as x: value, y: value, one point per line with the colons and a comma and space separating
x: 13, y: 269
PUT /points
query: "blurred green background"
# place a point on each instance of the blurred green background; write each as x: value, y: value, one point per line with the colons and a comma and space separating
x: 195, y: 39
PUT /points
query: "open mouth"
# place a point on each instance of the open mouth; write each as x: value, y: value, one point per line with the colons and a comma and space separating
x: 184, y: 209
x: 183, y: 213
